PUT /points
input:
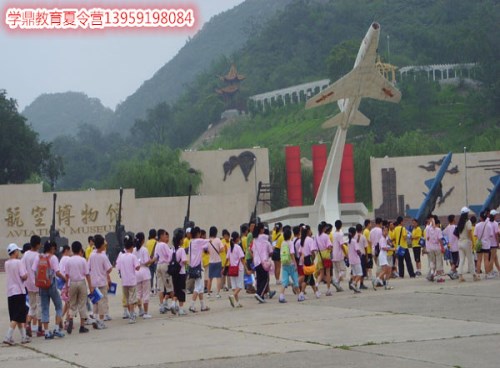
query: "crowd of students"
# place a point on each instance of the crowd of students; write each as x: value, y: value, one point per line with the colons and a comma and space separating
x: 196, y: 264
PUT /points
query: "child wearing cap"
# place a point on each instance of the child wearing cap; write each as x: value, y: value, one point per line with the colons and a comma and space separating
x: 16, y: 295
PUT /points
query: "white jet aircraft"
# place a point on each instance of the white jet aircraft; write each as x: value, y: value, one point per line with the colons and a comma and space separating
x: 364, y: 80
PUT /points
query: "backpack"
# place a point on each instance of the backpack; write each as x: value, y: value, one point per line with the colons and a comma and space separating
x: 285, y: 255
x: 44, y: 276
x: 174, y: 267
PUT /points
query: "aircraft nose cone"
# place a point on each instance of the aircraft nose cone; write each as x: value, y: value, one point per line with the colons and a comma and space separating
x: 375, y: 25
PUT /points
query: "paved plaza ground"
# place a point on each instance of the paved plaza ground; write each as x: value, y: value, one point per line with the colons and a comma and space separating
x: 418, y: 324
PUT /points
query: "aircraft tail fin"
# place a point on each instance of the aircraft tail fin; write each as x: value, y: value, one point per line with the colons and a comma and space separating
x: 411, y: 213
x: 495, y: 179
x: 341, y: 118
x: 428, y: 183
x: 476, y: 209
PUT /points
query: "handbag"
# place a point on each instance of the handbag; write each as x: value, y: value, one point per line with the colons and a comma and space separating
x: 266, y: 263
x: 479, y: 243
x: 326, y: 262
x: 309, y: 270
x: 234, y: 271
x: 193, y: 272
x: 400, y: 251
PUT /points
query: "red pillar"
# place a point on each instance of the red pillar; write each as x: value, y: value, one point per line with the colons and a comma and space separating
x: 319, y: 157
x: 347, y: 194
x: 293, y: 175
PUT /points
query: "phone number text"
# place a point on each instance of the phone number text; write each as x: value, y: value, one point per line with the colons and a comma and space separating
x: 97, y: 18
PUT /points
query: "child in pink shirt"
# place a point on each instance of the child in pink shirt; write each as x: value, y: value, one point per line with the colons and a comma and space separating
x: 128, y: 264
x: 16, y: 295
x: 354, y: 254
x: 338, y: 255
x: 34, y: 313
x: 76, y: 270
x: 66, y: 252
x: 308, y: 249
x: 236, y: 259
x: 143, y: 275
x: 100, y: 268
x: 196, y: 248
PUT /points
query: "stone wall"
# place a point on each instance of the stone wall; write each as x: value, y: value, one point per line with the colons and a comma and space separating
x: 392, y: 197
x: 27, y: 210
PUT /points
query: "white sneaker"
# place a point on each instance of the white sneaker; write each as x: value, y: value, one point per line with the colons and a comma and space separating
x: 146, y: 316
x: 232, y: 300
x: 126, y: 315
x: 259, y: 298
x: 107, y: 317
x: 318, y: 294
x: 141, y: 312
x: 90, y: 321
x: 182, y: 312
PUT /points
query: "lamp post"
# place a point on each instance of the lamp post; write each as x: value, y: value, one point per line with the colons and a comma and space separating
x: 466, y: 187
x: 190, y: 188
x: 255, y: 171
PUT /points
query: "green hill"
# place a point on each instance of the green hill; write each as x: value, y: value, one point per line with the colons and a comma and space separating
x: 56, y: 114
x: 221, y: 36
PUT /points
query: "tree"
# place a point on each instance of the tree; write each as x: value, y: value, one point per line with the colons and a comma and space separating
x: 153, y: 129
x: 341, y: 59
x: 21, y: 152
x: 159, y: 173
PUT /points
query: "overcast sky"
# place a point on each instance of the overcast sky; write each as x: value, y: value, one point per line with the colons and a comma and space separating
x: 108, y: 65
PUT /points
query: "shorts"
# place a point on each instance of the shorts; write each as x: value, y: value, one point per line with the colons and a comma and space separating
x: 276, y: 257
x: 382, y: 259
x: 288, y: 271
x: 103, y: 305
x: 356, y: 269
x: 436, y: 259
x: 143, y: 291
x: 237, y: 282
x: 130, y: 294
x: 199, y: 284
x: 369, y: 261
x: 35, y: 308
x: 78, y: 298
x: 179, y: 282
x: 164, y: 279
x: 455, y: 259
x: 390, y: 260
x: 339, y: 268
x: 300, y: 270
x: 486, y: 251
x: 249, y: 263
x: 324, y: 254
x: 45, y: 296
x: 215, y: 270
x: 18, y: 310
x: 416, y: 254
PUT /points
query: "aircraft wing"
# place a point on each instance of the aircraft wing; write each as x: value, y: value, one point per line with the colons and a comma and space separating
x: 343, y: 88
x: 357, y: 83
x: 379, y: 88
